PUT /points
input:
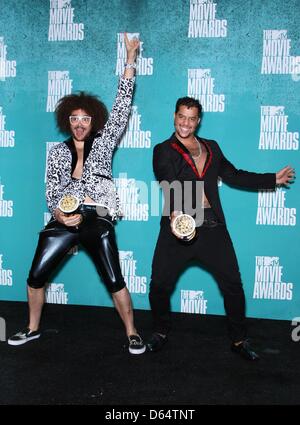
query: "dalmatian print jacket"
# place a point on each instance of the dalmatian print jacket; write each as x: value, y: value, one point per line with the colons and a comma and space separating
x: 96, y: 180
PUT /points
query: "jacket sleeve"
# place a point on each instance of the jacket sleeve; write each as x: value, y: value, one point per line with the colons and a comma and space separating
x: 165, y: 174
x: 245, y: 179
x: 54, y: 190
x: 119, y: 114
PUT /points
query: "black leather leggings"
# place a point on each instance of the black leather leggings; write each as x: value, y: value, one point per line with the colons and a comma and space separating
x: 96, y: 234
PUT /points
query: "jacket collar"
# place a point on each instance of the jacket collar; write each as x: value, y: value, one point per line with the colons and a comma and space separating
x: 184, y: 152
x: 88, y: 143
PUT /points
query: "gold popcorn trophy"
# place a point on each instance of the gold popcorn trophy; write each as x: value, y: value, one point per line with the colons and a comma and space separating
x: 68, y: 204
x: 184, y: 227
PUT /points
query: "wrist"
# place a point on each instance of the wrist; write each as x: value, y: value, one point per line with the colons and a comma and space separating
x: 131, y: 59
x: 129, y: 65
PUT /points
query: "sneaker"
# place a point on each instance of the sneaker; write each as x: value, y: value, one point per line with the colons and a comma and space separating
x: 24, y: 336
x: 136, y: 345
x: 156, y: 342
x: 244, y: 350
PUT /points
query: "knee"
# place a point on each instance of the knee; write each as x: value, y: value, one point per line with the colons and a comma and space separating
x: 34, y: 283
x: 115, y: 286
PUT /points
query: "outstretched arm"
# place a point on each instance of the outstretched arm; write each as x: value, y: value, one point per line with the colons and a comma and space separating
x: 285, y: 176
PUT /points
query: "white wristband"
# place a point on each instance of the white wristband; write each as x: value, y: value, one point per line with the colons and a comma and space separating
x: 130, y: 65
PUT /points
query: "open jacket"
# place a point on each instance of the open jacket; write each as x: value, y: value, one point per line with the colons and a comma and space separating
x: 96, y: 180
x: 172, y: 161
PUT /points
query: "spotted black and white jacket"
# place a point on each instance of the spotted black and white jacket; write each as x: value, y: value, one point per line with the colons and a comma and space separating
x: 96, y: 180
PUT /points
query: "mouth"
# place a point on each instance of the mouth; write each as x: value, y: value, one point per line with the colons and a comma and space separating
x: 184, y: 129
x: 79, y: 131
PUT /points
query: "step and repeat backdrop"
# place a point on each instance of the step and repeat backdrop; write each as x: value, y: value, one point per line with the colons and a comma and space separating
x: 240, y: 58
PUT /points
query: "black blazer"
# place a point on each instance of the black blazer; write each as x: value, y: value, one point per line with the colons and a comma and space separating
x: 172, y: 161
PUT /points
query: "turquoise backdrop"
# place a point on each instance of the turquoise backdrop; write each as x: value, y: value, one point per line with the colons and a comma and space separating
x: 240, y: 58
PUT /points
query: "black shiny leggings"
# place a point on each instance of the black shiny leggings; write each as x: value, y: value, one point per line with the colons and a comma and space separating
x: 95, y: 234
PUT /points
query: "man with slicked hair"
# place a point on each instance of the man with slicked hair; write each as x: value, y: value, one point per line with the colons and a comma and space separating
x: 187, y: 158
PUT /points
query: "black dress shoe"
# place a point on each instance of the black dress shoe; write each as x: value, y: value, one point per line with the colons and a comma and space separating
x: 245, y: 351
x: 156, y: 342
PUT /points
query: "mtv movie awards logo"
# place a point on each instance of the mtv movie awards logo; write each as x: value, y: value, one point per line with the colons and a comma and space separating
x: 201, y: 86
x: 136, y: 284
x: 268, y: 280
x: 277, y: 58
x: 8, y: 68
x: 61, y: 25
x: 131, y: 199
x: 203, y: 21
x: 144, y: 66
x: 55, y: 294
x: 274, y: 134
x: 135, y: 137
x: 193, y: 302
x: 271, y: 209
x: 7, y: 137
x: 6, y: 275
x: 59, y: 85
x: 6, y: 206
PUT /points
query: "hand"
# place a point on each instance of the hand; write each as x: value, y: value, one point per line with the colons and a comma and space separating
x: 285, y: 176
x: 132, y: 47
x: 70, y: 220
x: 173, y: 215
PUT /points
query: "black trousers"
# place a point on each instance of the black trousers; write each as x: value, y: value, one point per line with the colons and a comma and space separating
x: 214, y: 250
x: 96, y: 234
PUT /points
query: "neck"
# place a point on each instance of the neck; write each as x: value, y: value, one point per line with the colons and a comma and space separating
x: 79, y: 144
x: 185, y: 140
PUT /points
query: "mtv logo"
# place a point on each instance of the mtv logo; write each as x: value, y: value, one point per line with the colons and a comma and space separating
x: 195, y: 295
x: 276, y: 110
x: 63, y: 4
x: 64, y: 75
x: 271, y: 261
x: 56, y: 287
x: 125, y: 255
x: 279, y: 34
x: 204, y: 73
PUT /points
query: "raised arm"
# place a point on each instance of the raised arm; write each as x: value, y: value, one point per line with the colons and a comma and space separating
x: 132, y: 47
x: 119, y: 114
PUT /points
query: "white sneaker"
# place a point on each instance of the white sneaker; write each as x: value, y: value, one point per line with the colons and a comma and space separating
x: 24, y: 336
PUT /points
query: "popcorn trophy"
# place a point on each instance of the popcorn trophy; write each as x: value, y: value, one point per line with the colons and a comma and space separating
x: 184, y: 227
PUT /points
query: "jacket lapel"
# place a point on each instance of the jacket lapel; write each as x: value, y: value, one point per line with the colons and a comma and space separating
x: 183, y: 151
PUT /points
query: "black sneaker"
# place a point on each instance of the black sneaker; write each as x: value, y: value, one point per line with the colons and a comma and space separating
x: 156, y: 342
x: 244, y: 350
x: 24, y: 336
x: 136, y: 345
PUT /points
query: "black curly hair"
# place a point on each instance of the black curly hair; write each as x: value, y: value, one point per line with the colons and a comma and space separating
x: 82, y: 100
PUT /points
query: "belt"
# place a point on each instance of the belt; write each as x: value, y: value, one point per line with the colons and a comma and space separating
x: 95, y: 210
x: 210, y: 219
